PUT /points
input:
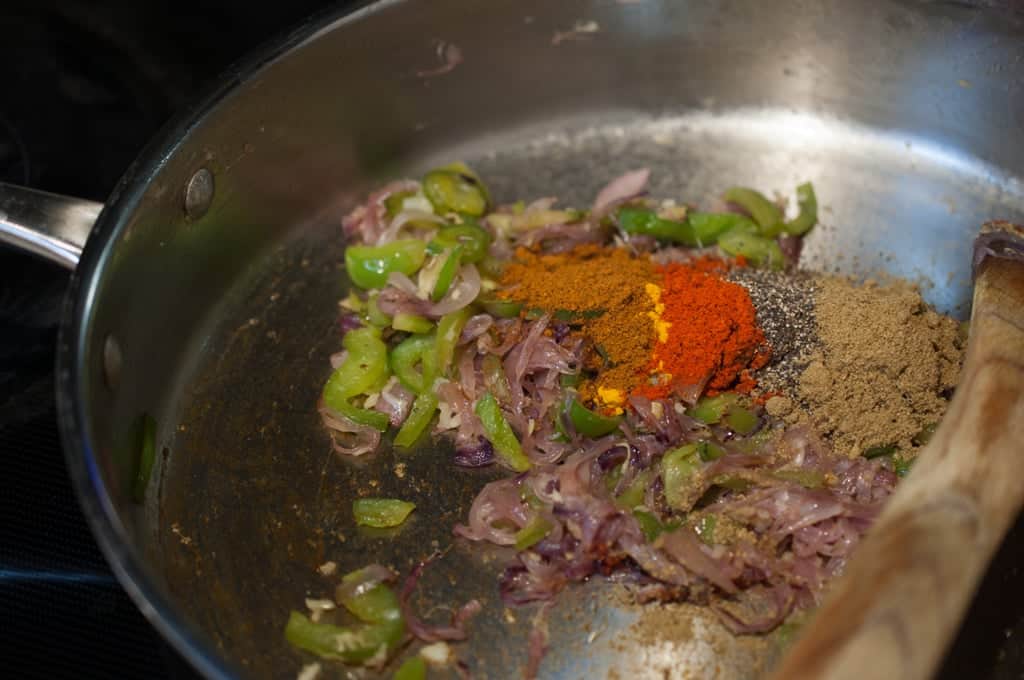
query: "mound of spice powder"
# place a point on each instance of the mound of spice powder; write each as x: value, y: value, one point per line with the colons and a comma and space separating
x: 653, y: 330
x: 712, y: 342
x: 603, y: 289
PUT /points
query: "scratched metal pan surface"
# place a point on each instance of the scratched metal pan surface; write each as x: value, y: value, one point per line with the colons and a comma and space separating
x: 905, y: 114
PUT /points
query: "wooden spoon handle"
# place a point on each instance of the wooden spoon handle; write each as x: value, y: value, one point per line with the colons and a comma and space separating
x: 909, y: 583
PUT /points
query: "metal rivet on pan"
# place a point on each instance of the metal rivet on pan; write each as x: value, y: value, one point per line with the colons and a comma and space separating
x: 112, y: 361
x: 198, y: 194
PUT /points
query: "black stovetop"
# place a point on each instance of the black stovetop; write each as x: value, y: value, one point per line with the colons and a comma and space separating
x: 86, y: 84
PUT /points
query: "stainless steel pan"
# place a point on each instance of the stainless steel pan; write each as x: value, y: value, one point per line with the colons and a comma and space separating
x: 205, y: 294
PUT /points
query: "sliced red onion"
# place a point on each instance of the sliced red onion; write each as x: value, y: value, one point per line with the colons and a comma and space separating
x: 999, y: 238
x: 348, y: 438
x: 497, y: 502
x: 366, y: 222
x: 396, y: 401
x: 448, y: 54
x: 761, y: 610
x: 403, y: 218
x: 401, y: 295
x: 537, y: 643
x: 349, y: 321
x: 455, y: 631
x: 477, y: 325
x: 685, y: 547
x: 481, y: 455
x: 620, y: 189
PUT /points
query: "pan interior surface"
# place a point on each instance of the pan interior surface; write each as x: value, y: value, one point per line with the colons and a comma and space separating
x: 260, y: 500
x: 904, y: 115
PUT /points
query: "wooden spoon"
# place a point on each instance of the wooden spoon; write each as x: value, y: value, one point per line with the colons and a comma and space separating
x: 906, y: 589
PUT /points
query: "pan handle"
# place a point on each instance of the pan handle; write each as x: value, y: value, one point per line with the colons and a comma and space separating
x: 49, y: 225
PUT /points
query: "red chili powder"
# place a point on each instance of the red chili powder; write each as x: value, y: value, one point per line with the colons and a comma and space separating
x: 713, y: 339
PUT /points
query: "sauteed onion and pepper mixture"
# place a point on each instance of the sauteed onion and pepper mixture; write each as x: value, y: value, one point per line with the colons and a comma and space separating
x: 609, y: 360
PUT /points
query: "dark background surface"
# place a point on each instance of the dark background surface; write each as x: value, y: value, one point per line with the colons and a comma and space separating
x: 86, y: 85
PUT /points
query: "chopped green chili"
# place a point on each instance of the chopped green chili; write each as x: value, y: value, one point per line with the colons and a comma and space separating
x: 633, y: 495
x: 369, y: 266
x: 416, y: 422
x: 570, y: 379
x: 395, y: 203
x: 808, y: 216
x: 534, y: 532
x: 146, y: 457
x: 765, y: 212
x: 678, y: 467
x: 410, y: 323
x: 413, y: 668
x: 359, y: 644
x: 381, y: 512
x: 589, y: 423
x: 500, y: 433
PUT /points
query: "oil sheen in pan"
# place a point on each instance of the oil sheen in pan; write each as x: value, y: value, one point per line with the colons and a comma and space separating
x: 254, y: 487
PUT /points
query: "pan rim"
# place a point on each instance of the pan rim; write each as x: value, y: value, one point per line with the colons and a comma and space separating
x: 77, y: 440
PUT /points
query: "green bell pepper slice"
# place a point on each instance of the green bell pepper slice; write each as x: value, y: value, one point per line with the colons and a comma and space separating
x: 411, y: 323
x: 678, y: 467
x: 741, y: 420
x: 500, y: 434
x: 765, y: 212
x: 147, y: 456
x: 470, y: 236
x: 360, y: 644
x: 374, y: 316
x: 650, y: 525
x: 706, y: 529
x: 499, y: 307
x: 456, y: 188
x: 879, y: 451
x: 446, y: 274
x: 381, y: 513
x: 633, y: 495
x: 369, y: 266
x: 699, y: 229
x: 808, y: 216
x: 533, y: 533
x: 760, y: 251
x: 413, y: 668
x: 709, y: 451
x: 379, y: 604
x: 364, y: 369
x: 711, y: 410
x: 591, y: 424
x: 418, y: 419
x: 449, y: 328
x: 416, y: 349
